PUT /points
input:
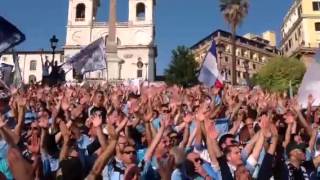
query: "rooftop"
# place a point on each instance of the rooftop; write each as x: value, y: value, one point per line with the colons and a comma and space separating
x: 258, y: 41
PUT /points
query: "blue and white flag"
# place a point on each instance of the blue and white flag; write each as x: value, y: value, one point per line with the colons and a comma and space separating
x: 5, y: 73
x: 10, y: 36
x: 90, y: 58
x: 310, y: 84
x: 209, y: 73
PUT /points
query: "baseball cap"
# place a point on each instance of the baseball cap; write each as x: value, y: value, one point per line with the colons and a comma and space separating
x: 293, y: 145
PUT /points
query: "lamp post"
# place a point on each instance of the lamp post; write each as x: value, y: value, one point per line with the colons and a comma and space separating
x: 120, y: 68
x: 53, y: 42
x: 146, y: 64
x: 140, y: 65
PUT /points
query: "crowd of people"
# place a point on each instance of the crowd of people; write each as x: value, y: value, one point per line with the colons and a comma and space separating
x: 161, y: 132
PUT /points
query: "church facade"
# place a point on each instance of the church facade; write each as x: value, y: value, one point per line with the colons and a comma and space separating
x: 135, y: 41
x: 136, y: 47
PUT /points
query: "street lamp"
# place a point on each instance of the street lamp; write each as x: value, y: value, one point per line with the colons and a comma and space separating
x: 120, y: 68
x: 53, y: 42
x: 139, y: 66
x: 146, y: 64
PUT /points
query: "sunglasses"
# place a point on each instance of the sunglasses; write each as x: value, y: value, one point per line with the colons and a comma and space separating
x: 130, y: 152
x: 234, y: 142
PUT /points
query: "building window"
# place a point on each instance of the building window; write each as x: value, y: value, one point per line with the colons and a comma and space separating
x: 139, y: 73
x: 254, y: 66
x: 317, y: 26
x: 290, y: 43
x: 226, y: 59
x: 80, y: 12
x: 32, y: 79
x: 316, y: 5
x: 141, y: 12
x: 33, y: 65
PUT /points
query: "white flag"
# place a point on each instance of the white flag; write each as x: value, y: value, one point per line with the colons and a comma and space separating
x: 310, y: 84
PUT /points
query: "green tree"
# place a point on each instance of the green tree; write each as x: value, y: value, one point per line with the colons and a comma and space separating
x: 276, y: 75
x: 234, y: 12
x: 183, y: 68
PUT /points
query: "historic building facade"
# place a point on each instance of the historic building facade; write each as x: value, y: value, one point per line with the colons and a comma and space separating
x: 135, y: 38
x: 135, y: 43
x: 300, y: 30
x: 252, y: 52
x: 30, y: 63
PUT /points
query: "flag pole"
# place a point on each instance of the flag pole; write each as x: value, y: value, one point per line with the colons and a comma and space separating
x: 290, y: 89
x: 17, y: 68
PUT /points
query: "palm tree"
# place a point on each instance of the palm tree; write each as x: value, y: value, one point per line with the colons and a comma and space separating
x: 234, y: 11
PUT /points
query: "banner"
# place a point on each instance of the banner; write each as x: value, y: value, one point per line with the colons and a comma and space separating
x: 90, y: 58
x: 10, y: 36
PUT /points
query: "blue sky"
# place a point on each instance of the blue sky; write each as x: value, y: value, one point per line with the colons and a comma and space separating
x: 178, y: 22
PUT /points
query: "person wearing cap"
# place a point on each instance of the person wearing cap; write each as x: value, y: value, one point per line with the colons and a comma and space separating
x: 297, y: 167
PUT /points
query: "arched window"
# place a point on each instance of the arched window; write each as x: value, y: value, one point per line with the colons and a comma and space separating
x: 141, y: 12
x: 32, y: 79
x: 33, y: 65
x: 80, y: 12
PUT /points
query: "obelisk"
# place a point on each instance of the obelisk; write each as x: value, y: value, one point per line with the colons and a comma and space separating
x: 113, y: 60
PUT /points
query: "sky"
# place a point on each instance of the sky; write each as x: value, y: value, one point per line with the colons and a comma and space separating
x: 178, y: 22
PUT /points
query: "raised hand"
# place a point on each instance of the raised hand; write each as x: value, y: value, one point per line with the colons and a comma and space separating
x: 65, y: 131
x: 34, y: 146
x: 65, y: 104
x: 265, y: 125
x: 166, y: 167
x: 132, y: 172
x: 211, y: 129
x: 203, y: 112
x: 289, y: 118
x: 96, y: 121
x: 148, y: 115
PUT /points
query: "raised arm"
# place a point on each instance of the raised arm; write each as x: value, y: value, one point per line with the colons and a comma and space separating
x: 155, y: 141
x: 96, y: 122
x: 11, y: 138
x: 212, y: 135
x: 187, y: 119
x: 65, y: 132
x: 302, y: 120
x: 106, y: 154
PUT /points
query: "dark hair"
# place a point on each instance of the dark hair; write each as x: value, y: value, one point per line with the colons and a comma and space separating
x: 223, y: 139
x: 100, y: 92
x: 227, y: 150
